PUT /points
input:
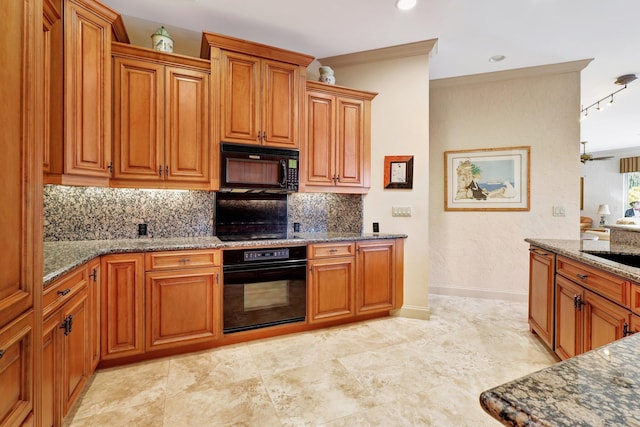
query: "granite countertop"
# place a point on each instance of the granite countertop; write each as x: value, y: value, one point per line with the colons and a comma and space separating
x: 63, y: 256
x: 574, y: 249
x: 597, y: 388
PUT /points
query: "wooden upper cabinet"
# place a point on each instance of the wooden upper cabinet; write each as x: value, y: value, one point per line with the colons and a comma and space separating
x: 261, y: 90
x: 80, y: 139
x: 336, y: 153
x: 161, y: 120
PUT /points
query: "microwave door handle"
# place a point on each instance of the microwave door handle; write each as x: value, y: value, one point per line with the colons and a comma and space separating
x: 283, y: 171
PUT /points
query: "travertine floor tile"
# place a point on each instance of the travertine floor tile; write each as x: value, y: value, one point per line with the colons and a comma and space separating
x: 385, y: 372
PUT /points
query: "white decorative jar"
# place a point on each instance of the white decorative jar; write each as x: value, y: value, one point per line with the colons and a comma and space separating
x: 326, y: 75
x: 161, y: 40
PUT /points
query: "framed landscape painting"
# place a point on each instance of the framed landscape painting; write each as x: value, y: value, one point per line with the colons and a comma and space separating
x: 488, y: 179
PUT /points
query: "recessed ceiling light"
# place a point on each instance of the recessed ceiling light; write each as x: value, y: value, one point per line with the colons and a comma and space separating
x: 497, y: 58
x: 406, y: 4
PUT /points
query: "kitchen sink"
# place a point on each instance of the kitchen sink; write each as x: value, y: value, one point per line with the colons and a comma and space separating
x: 632, y: 260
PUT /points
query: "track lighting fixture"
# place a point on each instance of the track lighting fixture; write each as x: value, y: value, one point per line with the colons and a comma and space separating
x: 622, y: 80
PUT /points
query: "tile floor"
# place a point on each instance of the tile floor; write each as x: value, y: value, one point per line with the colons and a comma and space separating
x: 385, y: 372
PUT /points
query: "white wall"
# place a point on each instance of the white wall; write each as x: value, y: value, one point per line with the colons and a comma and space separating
x: 604, y: 184
x: 400, y: 126
x: 481, y: 253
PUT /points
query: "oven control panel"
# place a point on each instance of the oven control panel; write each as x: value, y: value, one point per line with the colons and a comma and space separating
x: 266, y: 254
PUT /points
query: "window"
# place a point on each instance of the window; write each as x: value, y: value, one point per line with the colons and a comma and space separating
x: 632, y: 186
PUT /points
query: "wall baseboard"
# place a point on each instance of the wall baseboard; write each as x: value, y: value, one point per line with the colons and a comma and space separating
x: 412, y: 312
x: 480, y: 293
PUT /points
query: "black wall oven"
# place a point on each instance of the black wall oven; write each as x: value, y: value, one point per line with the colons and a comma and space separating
x: 264, y: 287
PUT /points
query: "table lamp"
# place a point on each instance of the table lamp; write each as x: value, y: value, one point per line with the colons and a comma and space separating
x: 603, y: 210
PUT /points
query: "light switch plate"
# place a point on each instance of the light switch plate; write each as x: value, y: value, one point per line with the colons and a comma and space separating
x: 558, y: 211
x: 400, y: 210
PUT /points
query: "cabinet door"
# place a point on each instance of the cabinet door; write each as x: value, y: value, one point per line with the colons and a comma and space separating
x: 568, y: 318
x: 635, y: 323
x: 320, y: 139
x: 50, y: 406
x: 280, y: 104
x: 20, y: 194
x: 138, y: 120
x: 604, y: 321
x: 16, y: 370
x: 87, y: 42
x: 182, y: 307
x: 375, y: 279
x: 331, y: 289
x: 75, y: 352
x: 51, y: 16
x: 240, y: 99
x: 94, y: 312
x: 541, y: 275
x: 122, y: 305
x: 187, y: 125
x: 350, y: 142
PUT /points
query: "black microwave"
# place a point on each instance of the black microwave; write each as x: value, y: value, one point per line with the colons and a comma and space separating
x: 258, y: 169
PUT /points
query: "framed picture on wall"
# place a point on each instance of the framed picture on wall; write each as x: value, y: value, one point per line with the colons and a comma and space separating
x: 398, y: 172
x: 488, y: 179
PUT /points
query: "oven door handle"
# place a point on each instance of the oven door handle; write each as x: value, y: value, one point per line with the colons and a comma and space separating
x: 243, y: 268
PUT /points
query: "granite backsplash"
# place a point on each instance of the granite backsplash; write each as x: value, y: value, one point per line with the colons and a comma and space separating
x: 94, y: 213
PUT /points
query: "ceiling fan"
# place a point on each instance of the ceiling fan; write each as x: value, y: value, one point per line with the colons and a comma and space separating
x: 584, y: 157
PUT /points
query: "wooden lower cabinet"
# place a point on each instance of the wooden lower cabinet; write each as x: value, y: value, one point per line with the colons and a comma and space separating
x: 66, y: 360
x: 94, y: 281
x: 375, y: 276
x: 16, y: 370
x: 182, y: 306
x: 541, y: 293
x: 122, y: 305
x: 635, y: 323
x: 351, y: 279
x: 585, y: 320
x: 331, y: 287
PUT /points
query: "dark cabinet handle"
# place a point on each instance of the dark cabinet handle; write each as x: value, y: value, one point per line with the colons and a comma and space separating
x: 94, y: 275
x: 65, y: 292
x: 582, y: 276
x: 626, y: 331
x: 1, y: 353
x: 160, y: 171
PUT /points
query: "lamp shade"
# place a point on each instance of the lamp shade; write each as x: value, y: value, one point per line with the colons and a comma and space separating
x: 604, y: 210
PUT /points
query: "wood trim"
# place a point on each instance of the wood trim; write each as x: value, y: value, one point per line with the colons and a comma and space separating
x: 105, y: 12
x: 211, y: 40
x: 340, y: 90
x: 137, y: 52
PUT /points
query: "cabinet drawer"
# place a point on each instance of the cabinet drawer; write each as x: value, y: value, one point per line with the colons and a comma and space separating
x: 63, y: 289
x: 609, y: 286
x: 181, y: 259
x: 331, y: 250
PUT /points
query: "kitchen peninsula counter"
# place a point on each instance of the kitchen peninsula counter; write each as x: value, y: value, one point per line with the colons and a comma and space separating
x: 598, y: 388
x: 574, y: 249
x: 63, y: 256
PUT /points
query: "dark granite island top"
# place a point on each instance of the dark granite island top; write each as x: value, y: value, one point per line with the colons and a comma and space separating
x: 598, y: 388
x: 63, y: 256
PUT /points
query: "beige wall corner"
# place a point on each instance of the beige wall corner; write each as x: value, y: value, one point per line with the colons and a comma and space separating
x: 400, y: 127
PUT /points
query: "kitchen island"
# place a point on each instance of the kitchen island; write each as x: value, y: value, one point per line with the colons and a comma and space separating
x: 598, y: 388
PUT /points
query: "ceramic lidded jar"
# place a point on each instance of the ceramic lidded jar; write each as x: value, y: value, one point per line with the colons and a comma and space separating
x: 161, y: 40
x: 326, y: 75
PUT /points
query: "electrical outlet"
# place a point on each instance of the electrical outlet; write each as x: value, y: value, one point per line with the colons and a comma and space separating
x: 142, y: 229
x: 558, y: 211
x: 400, y: 210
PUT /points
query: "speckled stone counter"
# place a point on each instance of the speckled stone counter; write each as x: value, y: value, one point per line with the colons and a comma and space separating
x: 598, y: 388
x: 62, y: 257
x: 574, y: 249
